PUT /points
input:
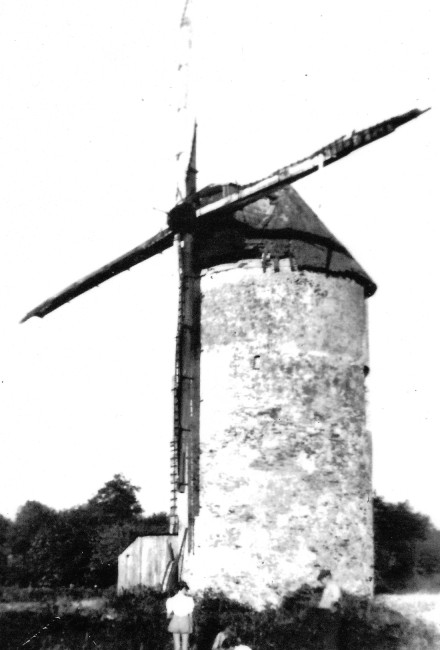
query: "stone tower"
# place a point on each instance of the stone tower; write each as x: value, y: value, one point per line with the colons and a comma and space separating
x: 285, y: 457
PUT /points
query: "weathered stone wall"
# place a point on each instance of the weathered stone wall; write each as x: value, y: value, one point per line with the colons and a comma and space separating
x: 285, y: 455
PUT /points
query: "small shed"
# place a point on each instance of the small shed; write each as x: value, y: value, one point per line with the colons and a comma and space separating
x: 145, y: 562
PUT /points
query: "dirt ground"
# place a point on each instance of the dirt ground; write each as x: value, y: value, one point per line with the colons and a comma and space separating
x: 418, y: 606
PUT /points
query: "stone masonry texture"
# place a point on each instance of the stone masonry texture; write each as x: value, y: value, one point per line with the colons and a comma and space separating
x: 285, y: 455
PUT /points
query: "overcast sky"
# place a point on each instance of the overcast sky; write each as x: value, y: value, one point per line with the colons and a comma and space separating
x: 88, y: 136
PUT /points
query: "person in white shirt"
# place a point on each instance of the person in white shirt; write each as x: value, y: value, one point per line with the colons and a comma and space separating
x: 329, y: 606
x: 332, y: 592
x: 180, y: 608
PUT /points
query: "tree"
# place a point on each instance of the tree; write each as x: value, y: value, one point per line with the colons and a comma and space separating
x: 60, y: 553
x: 116, y: 502
x: 33, y: 521
x: 79, y: 546
x: 118, y: 521
x: 397, y: 532
x: 31, y: 518
x: 5, y: 530
x: 5, y: 533
x: 429, y: 554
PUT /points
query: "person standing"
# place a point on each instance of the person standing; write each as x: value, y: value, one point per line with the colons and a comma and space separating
x: 329, y: 608
x: 179, y: 609
x: 331, y: 595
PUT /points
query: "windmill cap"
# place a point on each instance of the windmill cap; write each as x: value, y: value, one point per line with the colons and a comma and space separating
x: 286, y: 225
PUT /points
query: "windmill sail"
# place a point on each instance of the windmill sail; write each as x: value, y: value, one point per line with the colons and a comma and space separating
x: 157, y: 244
x: 245, y: 195
x: 327, y: 155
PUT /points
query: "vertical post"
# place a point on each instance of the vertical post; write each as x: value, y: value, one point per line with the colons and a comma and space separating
x: 183, y: 382
x: 191, y: 354
x: 187, y: 384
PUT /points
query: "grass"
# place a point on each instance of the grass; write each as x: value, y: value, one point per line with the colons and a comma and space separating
x: 12, y: 594
x: 137, y: 622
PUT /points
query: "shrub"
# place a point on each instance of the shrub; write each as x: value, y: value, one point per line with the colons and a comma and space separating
x: 138, y: 622
x: 297, y: 624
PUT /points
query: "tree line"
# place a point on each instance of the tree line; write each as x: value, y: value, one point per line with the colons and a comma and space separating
x: 406, y: 548
x: 80, y: 546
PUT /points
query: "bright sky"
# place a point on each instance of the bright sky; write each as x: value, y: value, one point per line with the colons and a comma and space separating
x: 87, y: 140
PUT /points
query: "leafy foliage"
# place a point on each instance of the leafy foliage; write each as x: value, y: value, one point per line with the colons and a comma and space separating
x: 116, y: 502
x: 296, y: 623
x: 5, y: 526
x: 77, y: 547
x: 398, y: 533
x: 138, y: 621
x: 429, y: 553
x: 32, y: 518
x: 60, y: 553
x: 5, y: 533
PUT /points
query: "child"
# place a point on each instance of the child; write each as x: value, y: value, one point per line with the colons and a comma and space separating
x: 180, y: 608
x: 234, y: 643
x: 221, y: 637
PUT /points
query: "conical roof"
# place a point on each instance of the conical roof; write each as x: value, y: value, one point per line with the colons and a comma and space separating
x: 280, y: 225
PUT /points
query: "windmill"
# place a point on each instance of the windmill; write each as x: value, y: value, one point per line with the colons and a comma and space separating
x: 266, y: 228
x: 267, y: 484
